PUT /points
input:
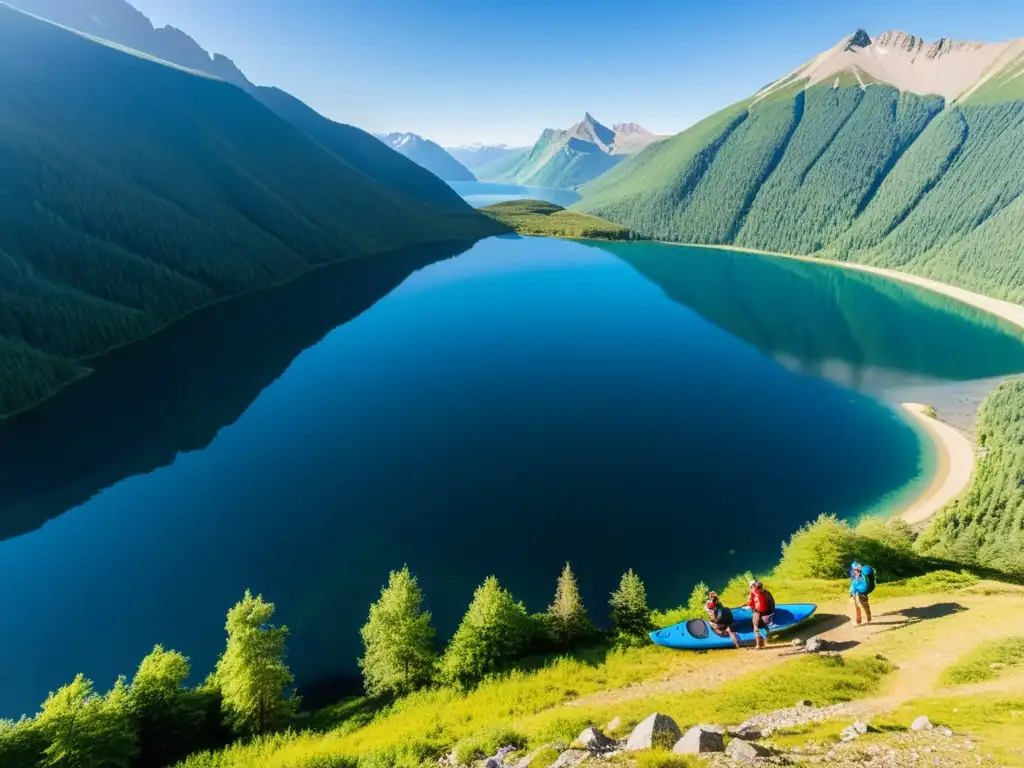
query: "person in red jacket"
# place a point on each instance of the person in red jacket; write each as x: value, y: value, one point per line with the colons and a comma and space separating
x: 762, y: 606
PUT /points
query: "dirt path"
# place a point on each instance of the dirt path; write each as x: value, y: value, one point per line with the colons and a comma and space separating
x: 922, y: 635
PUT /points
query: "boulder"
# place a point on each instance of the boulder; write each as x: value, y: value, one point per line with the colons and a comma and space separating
x: 593, y: 740
x: 655, y: 731
x: 747, y: 732
x: 797, y: 643
x: 814, y: 645
x: 746, y: 751
x: 571, y: 757
x: 921, y: 723
x: 699, y: 740
x: 855, y: 731
x: 804, y: 703
x: 614, y: 724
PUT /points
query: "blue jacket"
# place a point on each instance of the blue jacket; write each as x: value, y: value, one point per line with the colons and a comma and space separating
x: 859, y: 586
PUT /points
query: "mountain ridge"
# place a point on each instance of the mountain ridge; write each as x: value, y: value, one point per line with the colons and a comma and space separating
x: 832, y: 161
x: 566, y: 158
x: 164, y: 191
x: 427, y: 154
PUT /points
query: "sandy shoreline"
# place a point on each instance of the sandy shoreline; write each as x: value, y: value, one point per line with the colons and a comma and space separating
x: 1007, y: 310
x: 954, y: 452
x: 954, y: 465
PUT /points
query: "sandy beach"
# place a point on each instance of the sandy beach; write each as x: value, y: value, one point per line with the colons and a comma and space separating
x: 955, y: 453
x: 954, y: 465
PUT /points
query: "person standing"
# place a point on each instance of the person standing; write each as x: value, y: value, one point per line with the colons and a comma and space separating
x: 859, y: 588
x: 762, y: 608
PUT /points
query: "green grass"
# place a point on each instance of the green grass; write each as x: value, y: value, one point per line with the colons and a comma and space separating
x: 544, y: 758
x: 995, y: 721
x: 536, y: 217
x: 659, y: 758
x: 1006, y: 653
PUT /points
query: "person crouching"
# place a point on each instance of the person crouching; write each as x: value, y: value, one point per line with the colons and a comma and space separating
x: 720, y: 618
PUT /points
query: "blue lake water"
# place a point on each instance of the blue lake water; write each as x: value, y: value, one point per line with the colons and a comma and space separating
x: 481, y: 193
x: 524, y: 403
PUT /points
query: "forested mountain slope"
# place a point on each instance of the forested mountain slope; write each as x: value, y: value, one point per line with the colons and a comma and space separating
x: 134, y: 192
x: 429, y: 155
x: 834, y: 161
x: 987, y: 525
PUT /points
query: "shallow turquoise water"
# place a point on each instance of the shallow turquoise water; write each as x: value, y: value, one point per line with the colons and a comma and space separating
x: 525, y: 403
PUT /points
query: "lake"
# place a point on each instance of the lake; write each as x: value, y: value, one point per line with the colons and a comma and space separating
x: 481, y: 193
x: 500, y: 410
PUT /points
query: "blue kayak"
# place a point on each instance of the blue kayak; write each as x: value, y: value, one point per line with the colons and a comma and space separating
x: 696, y: 634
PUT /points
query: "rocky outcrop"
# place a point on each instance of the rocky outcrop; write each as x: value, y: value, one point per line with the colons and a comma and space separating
x: 699, y: 740
x: 656, y: 731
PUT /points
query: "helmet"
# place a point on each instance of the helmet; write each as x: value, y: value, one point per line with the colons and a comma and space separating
x: 855, y: 566
x: 755, y: 583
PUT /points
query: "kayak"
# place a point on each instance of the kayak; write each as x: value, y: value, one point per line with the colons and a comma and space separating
x: 696, y: 634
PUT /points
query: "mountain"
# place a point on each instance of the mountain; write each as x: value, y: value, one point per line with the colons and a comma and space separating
x: 888, y: 151
x: 474, y: 156
x: 122, y: 23
x: 567, y: 158
x: 502, y: 168
x: 429, y: 155
x: 136, y: 192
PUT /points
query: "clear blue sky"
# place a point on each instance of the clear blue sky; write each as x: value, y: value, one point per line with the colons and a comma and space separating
x: 458, y: 71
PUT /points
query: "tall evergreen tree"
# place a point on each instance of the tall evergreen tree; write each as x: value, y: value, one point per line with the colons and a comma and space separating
x: 398, y: 639
x: 494, y: 631
x: 631, y: 618
x: 698, y: 598
x: 567, y: 618
x: 253, y: 677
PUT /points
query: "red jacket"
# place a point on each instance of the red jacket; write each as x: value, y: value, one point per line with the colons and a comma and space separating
x: 758, y: 601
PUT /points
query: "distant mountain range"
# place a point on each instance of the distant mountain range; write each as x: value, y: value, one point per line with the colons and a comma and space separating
x: 887, y: 150
x: 564, y: 159
x: 426, y: 153
x: 474, y: 156
x: 136, y: 191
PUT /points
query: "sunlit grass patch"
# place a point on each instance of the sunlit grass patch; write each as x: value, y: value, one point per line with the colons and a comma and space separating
x: 996, y: 722
x: 986, y: 662
x: 823, y: 679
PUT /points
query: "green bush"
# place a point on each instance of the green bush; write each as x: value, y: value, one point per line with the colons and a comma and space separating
x: 825, y: 548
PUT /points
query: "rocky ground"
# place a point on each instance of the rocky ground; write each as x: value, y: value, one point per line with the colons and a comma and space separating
x: 750, y: 744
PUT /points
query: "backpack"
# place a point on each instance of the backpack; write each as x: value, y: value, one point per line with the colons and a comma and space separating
x: 869, y: 576
x: 769, y: 603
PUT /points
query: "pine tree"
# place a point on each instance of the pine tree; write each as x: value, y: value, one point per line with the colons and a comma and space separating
x: 567, y: 618
x: 631, y: 618
x: 494, y: 631
x: 252, y: 674
x: 398, y: 639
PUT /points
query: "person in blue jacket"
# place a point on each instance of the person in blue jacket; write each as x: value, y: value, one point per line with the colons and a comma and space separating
x: 859, y: 589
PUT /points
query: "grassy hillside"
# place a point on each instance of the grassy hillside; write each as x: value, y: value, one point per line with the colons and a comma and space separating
x: 137, y: 192
x: 536, y: 217
x: 869, y: 175
x: 987, y: 524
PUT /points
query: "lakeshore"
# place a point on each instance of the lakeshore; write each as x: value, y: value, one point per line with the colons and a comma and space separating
x: 954, y: 465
